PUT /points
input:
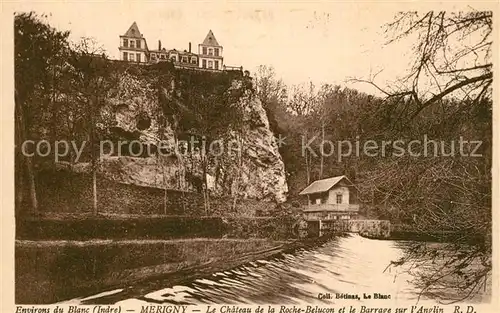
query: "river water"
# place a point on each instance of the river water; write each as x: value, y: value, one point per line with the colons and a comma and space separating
x: 344, y: 265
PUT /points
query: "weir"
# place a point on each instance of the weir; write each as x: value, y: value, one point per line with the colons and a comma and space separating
x: 366, y: 228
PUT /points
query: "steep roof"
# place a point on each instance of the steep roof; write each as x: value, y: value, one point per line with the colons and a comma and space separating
x: 133, y: 31
x: 323, y: 185
x: 210, y: 39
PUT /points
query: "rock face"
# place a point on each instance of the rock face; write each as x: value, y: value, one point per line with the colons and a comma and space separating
x: 249, y: 167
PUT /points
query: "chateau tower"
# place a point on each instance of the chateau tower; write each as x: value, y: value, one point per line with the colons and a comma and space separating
x: 133, y: 45
x: 210, y: 53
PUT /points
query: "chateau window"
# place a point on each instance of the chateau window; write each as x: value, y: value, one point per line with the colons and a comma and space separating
x: 339, y: 198
x: 125, y: 42
x: 210, y: 51
x: 216, y: 64
x: 216, y: 51
x: 138, y: 57
x: 210, y: 64
x: 138, y: 43
x: 204, y: 63
x: 204, y: 50
x: 125, y: 56
x: 132, y: 44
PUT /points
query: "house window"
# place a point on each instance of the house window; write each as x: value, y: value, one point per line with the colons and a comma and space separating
x: 339, y: 198
x: 131, y: 57
x: 204, y: 51
x: 193, y: 60
x: 125, y: 56
x: 216, y: 51
x: 153, y: 56
x: 184, y: 59
x: 125, y: 42
x: 138, y: 43
x: 204, y: 63
x: 138, y: 57
x: 210, y: 51
x: 318, y: 200
x: 216, y: 64
x: 162, y: 56
x: 210, y: 64
x: 132, y: 44
x: 173, y: 58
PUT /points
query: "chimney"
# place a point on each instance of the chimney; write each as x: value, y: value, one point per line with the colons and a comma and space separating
x: 190, y: 47
x: 159, y: 44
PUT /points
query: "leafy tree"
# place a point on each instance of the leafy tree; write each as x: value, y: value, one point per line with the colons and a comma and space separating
x: 38, y: 48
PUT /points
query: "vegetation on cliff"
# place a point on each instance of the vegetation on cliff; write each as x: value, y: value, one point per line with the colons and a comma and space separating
x: 81, y: 97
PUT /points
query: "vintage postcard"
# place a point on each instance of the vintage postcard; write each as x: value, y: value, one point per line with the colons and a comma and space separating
x: 263, y: 157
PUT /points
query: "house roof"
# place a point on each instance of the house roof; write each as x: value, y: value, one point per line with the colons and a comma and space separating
x: 322, y: 185
x: 210, y: 40
x: 133, y: 31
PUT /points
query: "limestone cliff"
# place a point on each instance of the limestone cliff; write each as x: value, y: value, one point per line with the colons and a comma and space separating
x: 249, y: 164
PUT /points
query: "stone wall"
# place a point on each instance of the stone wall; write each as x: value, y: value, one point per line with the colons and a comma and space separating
x: 366, y: 228
x: 67, y: 192
x: 371, y: 228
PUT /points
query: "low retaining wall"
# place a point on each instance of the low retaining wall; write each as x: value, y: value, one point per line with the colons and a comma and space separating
x: 87, y: 227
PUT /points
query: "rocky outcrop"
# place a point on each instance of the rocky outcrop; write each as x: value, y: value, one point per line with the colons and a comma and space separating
x: 151, y: 152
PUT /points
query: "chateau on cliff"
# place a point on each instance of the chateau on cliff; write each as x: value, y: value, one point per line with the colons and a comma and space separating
x: 134, y: 48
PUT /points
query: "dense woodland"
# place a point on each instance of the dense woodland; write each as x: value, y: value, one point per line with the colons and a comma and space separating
x: 447, y: 93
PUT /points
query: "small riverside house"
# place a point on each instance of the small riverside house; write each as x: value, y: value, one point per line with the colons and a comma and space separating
x: 330, y: 199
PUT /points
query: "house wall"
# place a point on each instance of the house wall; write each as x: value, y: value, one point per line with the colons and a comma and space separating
x: 129, y: 45
x: 219, y: 67
x: 134, y: 53
x: 332, y: 195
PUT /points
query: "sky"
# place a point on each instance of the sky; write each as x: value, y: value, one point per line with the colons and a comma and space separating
x: 304, y: 41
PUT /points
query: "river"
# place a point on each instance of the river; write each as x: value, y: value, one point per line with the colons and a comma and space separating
x: 344, y: 265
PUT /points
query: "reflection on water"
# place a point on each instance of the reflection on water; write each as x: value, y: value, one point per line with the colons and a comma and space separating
x: 345, y: 265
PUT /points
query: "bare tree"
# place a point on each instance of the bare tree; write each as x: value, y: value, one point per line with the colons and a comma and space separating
x: 452, y: 57
x: 448, y: 82
x: 91, y: 74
